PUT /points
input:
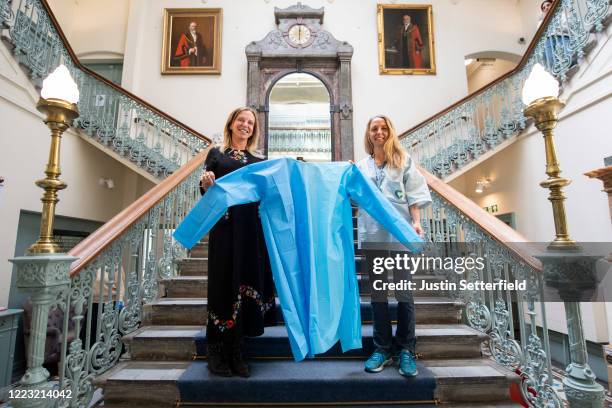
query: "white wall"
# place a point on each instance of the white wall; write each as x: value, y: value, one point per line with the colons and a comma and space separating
x: 203, y: 101
x: 24, y: 148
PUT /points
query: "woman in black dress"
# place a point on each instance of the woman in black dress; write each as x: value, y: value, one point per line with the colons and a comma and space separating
x: 240, y: 286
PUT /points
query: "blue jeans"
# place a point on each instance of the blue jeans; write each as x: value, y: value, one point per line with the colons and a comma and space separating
x: 405, y: 337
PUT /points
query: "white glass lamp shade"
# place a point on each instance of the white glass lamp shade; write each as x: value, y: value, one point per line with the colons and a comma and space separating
x: 539, y: 84
x: 60, y: 85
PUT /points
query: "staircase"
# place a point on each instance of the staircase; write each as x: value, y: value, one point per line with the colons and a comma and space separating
x: 483, y: 123
x: 167, y: 359
x: 148, y: 350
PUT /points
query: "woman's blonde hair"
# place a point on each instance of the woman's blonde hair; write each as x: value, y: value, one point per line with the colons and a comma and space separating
x: 227, y: 130
x: 395, y: 154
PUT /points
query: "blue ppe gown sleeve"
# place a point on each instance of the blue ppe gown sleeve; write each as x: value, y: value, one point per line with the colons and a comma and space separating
x: 368, y: 197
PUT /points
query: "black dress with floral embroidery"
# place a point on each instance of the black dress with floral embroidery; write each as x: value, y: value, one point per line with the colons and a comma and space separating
x: 240, y: 285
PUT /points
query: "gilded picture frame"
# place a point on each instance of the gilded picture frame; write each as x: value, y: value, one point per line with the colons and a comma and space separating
x: 406, y: 39
x: 191, y: 41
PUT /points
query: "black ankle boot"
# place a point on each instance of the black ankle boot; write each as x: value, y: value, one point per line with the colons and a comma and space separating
x: 217, y: 364
x: 236, y: 360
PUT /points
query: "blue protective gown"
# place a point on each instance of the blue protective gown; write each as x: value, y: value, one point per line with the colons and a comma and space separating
x: 306, y: 216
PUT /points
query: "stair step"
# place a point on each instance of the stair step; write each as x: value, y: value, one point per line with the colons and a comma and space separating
x: 468, y: 382
x: 197, y: 286
x: 428, y: 310
x: 192, y: 311
x: 163, y: 343
x: 198, y: 266
x: 192, y: 266
x: 184, y: 342
x: 186, y: 286
x: 200, y: 250
x: 177, y: 311
x: 138, y: 384
x: 338, y: 382
x: 308, y: 382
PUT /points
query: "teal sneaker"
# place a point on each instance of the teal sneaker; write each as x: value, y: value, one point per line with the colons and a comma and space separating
x: 407, y: 364
x: 377, y: 361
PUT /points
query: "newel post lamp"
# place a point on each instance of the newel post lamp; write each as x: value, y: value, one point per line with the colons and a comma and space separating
x: 566, y: 266
x: 540, y: 94
x: 44, y: 271
x: 58, y: 100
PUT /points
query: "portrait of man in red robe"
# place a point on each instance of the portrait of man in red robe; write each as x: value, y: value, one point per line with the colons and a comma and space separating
x: 190, y: 50
x: 406, y: 40
x: 192, y: 41
x: 409, y: 44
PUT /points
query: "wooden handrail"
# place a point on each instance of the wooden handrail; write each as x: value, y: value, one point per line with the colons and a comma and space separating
x: 497, y: 229
x: 516, y: 69
x: 100, y: 239
x: 116, y: 87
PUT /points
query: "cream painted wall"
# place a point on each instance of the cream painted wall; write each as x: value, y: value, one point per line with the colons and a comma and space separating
x: 203, y: 101
x: 529, y: 12
x: 64, y: 11
x: 95, y: 29
x: 24, y: 150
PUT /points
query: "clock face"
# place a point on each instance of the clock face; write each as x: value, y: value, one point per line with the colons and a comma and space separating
x: 299, y: 34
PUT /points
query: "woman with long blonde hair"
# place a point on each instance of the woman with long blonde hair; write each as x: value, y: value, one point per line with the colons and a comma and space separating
x: 394, y: 173
x: 240, y: 285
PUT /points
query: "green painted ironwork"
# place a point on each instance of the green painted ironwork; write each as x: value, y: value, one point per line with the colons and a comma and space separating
x: 491, y: 312
x: 116, y: 286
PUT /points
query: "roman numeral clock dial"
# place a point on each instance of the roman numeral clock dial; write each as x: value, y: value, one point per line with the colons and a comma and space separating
x: 299, y: 35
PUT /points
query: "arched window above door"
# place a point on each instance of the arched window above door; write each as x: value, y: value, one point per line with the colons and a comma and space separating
x: 299, y: 118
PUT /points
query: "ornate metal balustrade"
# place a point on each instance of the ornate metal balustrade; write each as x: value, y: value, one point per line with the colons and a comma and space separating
x: 515, y: 339
x: 299, y: 141
x: 116, y: 275
x: 479, y: 123
x: 108, y: 114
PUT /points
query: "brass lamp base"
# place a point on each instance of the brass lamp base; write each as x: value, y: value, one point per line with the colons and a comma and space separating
x: 58, y: 111
x: 563, y: 245
x: 545, y: 113
x: 60, y: 115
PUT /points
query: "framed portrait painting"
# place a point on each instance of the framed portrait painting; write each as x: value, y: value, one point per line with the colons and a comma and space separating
x: 192, y: 41
x: 406, y: 39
